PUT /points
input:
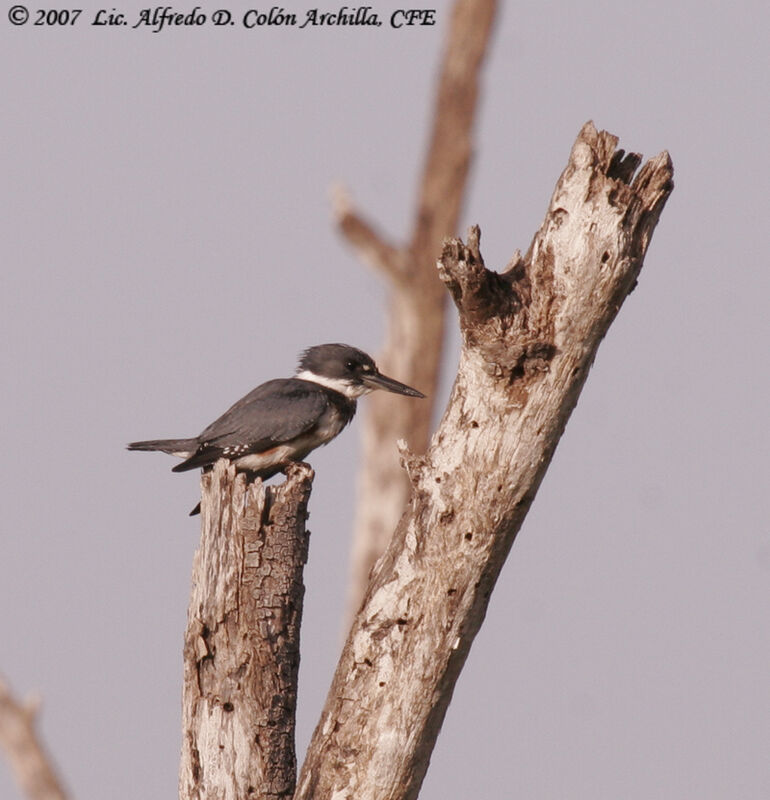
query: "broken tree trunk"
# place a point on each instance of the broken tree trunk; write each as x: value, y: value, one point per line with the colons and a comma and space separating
x: 241, y: 648
x: 530, y: 336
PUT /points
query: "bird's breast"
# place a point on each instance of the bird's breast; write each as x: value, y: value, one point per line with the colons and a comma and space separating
x: 329, y: 425
x: 331, y: 422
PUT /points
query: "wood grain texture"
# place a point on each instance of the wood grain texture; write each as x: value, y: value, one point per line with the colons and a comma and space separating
x: 416, y: 306
x: 241, y: 647
x: 530, y: 335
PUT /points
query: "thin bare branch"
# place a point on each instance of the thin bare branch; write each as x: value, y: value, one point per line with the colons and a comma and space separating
x: 530, y: 336
x: 31, y: 764
x: 371, y: 246
x: 451, y: 145
x: 417, y: 302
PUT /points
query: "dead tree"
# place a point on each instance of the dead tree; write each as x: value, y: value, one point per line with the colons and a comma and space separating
x: 530, y: 335
x: 416, y: 305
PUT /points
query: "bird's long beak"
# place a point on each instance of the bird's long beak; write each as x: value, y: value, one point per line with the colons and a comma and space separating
x: 378, y: 381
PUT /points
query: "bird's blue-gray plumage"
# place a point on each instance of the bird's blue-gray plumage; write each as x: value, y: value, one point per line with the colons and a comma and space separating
x: 275, y: 413
x: 285, y: 419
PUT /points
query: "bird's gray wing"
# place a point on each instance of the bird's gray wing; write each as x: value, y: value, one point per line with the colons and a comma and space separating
x: 275, y: 412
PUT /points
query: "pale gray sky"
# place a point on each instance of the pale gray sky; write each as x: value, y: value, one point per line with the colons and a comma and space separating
x: 167, y: 246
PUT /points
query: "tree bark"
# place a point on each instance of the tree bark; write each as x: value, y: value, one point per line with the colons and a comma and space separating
x: 241, y: 648
x: 417, y: 301
x: 530, y: 336
x: 31, y: 764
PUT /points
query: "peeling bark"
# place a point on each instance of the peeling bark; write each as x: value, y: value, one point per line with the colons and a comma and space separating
x: 241, y: 648
x: 530, y: 335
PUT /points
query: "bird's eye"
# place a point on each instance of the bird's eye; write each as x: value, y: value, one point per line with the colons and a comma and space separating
x: 350, y: 365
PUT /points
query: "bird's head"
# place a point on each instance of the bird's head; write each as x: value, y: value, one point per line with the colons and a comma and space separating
x: 347, y: 370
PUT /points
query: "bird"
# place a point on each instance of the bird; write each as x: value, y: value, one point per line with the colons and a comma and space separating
x: 284, y: 419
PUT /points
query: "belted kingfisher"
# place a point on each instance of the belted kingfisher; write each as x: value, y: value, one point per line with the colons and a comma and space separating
x: 284, y: 419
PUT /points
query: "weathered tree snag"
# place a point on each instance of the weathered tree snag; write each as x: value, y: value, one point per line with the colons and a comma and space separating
x: 530, y: 335
x: 417, y: 301
x: 241, y: 649
x: 31, y: 765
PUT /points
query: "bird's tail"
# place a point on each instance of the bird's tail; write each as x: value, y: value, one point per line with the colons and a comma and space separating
x: 183, y: 448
